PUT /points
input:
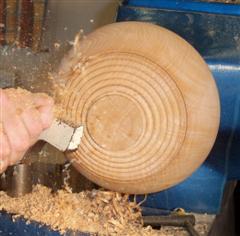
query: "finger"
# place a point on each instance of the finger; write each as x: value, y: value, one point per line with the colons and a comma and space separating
x: 22, y: 99
x: 5, y: 147
x: 3, y: 165
x: 33, y: 123
x: 16, y: 132
x: 5, y: 152
x: 13, y: 126
x: 18, y: 137
x: 44, y: 104
x: 40, y: 100
x: 46, y: 114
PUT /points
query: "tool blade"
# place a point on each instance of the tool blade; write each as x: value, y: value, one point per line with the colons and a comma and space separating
x: 62, y: 136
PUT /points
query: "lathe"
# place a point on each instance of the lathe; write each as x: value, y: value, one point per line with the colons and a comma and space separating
x: 155, y: 119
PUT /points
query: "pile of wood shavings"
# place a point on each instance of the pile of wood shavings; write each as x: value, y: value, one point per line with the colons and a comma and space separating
x: 22, y: 98
x: 96, y: 211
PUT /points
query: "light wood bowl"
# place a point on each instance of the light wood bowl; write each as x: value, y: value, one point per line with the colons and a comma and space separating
x: 148, y: 103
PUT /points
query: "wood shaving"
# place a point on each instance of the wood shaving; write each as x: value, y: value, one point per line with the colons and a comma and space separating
x: 96, y: 211
x: 57, y: 45
x: 22, y: 98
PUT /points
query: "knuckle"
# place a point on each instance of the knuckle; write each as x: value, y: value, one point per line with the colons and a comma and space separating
x: 35, y: 129
x: 47, y: 118
x: 20, y: 145
x: 33, y: 123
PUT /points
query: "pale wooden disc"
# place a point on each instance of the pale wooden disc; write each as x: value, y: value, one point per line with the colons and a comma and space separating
x: 148, y: 104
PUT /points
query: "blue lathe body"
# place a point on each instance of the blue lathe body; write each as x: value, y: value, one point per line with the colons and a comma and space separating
x: 214, y: 30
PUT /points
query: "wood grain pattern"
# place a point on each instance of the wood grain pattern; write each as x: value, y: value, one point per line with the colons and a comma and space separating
x: 2, y: 21
x: 26, y: 23
x: 148, y: 103
x: 39, y: 12
x: 11, y: 21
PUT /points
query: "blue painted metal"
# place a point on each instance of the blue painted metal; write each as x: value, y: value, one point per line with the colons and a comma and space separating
x: 217, y: 37
x: 19, y: 227
x: 148, y: 211
x: 210, y: 34
x: 188, y: 5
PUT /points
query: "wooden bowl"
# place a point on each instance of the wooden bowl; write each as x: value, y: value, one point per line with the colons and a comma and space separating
x: 148, y: 103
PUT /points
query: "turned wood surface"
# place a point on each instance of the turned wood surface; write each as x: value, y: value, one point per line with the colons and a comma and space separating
x: 148, y: 104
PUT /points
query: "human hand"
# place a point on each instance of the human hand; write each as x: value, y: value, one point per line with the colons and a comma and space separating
x: 23, y: 117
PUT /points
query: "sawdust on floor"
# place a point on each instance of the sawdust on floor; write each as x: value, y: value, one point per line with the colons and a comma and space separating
x: 96, y: 211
